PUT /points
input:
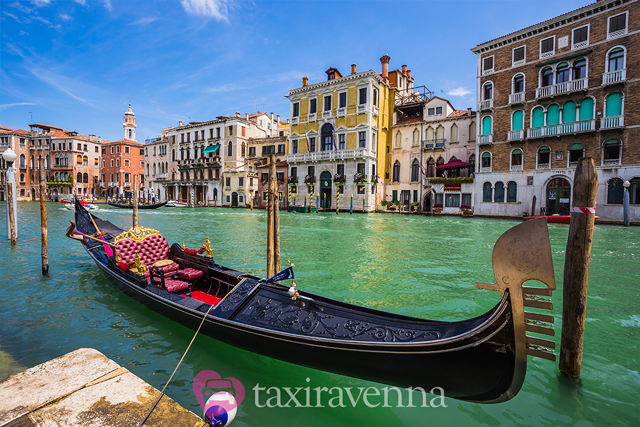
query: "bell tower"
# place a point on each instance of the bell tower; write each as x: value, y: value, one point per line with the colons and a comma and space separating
x: 129, y: 125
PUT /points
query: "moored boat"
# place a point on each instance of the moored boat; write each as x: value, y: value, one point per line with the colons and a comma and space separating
x: 176, y: 204
x: 140, y: 206
x: 482, y: 359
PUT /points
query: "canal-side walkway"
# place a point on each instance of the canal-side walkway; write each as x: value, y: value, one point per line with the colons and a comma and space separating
x: 85, y: 388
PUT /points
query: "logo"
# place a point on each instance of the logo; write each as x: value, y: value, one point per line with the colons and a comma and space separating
x: 218, y: 397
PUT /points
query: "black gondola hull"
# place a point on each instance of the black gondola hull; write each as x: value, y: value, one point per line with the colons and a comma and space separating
x: 140, y: 206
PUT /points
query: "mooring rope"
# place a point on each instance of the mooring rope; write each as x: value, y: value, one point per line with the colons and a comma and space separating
x: 175, y: 370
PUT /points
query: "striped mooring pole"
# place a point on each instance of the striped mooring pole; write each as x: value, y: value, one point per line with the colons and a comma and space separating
x: 317, y: 202
x: 351, y: 209
x: 337, y: 202
x: 289, y: 200
x: 363, y: 203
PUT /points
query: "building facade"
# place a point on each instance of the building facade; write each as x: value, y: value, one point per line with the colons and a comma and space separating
x: 340, y: 134
x: 550, y: 94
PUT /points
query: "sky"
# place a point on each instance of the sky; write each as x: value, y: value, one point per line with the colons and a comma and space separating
x: 76, y: 64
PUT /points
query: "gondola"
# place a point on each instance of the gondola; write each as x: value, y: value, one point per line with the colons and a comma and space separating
x: 140, y: 206
x: 554, y: 219
x: 483, y: 359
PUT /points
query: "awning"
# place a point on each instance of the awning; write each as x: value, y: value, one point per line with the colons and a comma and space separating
x: 453, y: 164
x: 211, y: 149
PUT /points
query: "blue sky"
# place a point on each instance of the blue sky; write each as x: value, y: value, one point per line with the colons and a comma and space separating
x: 77, y: 64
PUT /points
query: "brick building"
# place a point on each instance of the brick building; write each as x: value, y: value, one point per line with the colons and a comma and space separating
x: 550, y: 94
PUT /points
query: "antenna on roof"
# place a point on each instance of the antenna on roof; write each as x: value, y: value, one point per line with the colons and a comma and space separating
x: 31, y: 112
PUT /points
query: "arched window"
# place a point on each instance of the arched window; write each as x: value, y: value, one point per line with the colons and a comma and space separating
x: 21, y: 177
x: 230, y: 149
x: 569, y: 112
x: 431, y: 168
x: 398, y: 139
x: 562, y: 73
x: 586, y: 109
x: 415, y: 170
x: 472, y: 160
x: 33, y: 164
x: 85, y: 178
x: 487, y: 192
x: 546, y: 77
x: 416, y: 137
x: 147, y: 168
x: 85, y: 161
x: 173, y: 154
x: 517, y: 120
x: 79, y: 178
x: 616, y: 60
x: 243, y: 149
x: 487, y: 91
x: 575, y: 152
x: 615, y: 191
x: 537, y: 117
x: 23, y: 161
x: 154, y: 169
x: 396, y: 171
x: 611, y: 152
x: 430, y: 137
x: 613, y: 103
x: 47, y: 161
x: 544, y: 157
x: 518, y: 83
x: 79, y: 159
x: 472, y: 131
x: 454, y: 133
x: 440, y: 135
x: 486, y: 125
x: 486, y: 160
x: 327, y: 137
x: 553, y: 115
x: 439, y: 162
x: 579, y: 69
x: 498, y: 196
x: 57, y: 179
x: 516, y: 159
x: 512, y: 192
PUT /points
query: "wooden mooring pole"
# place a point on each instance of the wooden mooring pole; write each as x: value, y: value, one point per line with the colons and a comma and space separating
x: 10, y: 205
x: 576, y: 267
x: 43, y: 220
x: 135, y: 200
x: 276, y: 214
x: 270, y: 216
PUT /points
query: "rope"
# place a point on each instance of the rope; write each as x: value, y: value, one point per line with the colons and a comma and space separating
x: 175, y: 370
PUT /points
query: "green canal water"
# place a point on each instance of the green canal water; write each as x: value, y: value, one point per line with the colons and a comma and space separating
x: 413, y: 265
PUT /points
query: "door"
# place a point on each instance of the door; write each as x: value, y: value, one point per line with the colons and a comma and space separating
x: 426, y: 206
x: 234, y: 200
x: 558, y: 196
x: 325, y: 190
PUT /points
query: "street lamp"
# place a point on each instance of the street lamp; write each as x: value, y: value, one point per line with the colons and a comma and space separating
x: 10, y: 156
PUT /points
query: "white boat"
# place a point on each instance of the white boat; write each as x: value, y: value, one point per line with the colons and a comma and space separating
x: 89, y: 206
x: 176, y: 204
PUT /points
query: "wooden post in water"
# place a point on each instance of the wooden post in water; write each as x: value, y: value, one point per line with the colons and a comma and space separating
x: 273, y: 189
x: 351, y: 209
x: 270, y: 221
x: 533, y: 206
x: 12, y: 223
x: 135, y: 200
x: 43, y: 220
x: 576, y: 267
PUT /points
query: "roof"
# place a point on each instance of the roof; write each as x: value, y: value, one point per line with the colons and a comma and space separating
x: 124, y: 141
x: 460, y: 113
x: 41, y: 125
x: 5, y: 129
x: 405, y: 120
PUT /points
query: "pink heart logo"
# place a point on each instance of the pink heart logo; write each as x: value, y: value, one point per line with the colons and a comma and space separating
x: 208, y: 382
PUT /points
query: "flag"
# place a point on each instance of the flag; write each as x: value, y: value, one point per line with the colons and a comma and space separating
x: 285, y: 274
x: 307, y: 138
x: 174, y: 170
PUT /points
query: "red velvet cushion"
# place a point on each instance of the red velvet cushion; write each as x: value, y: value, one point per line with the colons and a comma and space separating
x: 175, y: 285
x: 189, y: 274
x: 151, y: 249
x: 167, y: 269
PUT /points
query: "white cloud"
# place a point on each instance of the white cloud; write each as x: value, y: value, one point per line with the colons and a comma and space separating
x: 23, y: 33
x: 144, y: 21
x: 217, y: 9
x: 41, y: 2
x: 65, y: 17
x: 82, y: 2
x: 15, y: 104
x: 107, y: 5
x: 459, y: 91
x: 11, y: 15
x: 21, y: 7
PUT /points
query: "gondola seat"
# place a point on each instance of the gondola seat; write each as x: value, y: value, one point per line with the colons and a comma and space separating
x: 189, y: 274
x: 157, y: 278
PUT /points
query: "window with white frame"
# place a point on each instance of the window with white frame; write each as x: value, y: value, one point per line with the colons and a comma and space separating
x: 580, y: 37
x: 548, y: 47
x: 296, y: 109
x: 617, y: 25
x: 362, y: 96
x: 518, y: 83
x: 616, y: 60
x: 375, y: 97
x: 313, y: 105
x: 327, y: 103
x: 487, y: 65
x: 342, y: 141
x: 342, y: 99
x: 518, y: 56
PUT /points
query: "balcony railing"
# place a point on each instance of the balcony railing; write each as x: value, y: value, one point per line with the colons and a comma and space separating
x: 611, y: 162
x: 516, y: 98
x: 311, y: 117
x: 362, y: 108
x: 564, y: 87
x: 485, y: 169
x: 295, y: 120
x: 516, y: 168
x: 543, y: 166
x: 329, y: 155
x: 562, y: 129
x: 486, y: 139
x: 614, y: 76
x: 487, y: 103
x: 161, y: 175
x: 612, y: 122
x: 342, y: 112
x: 127, y: 185
x: 326, y: 114
x: 515, y: 135
x: 374, y: 110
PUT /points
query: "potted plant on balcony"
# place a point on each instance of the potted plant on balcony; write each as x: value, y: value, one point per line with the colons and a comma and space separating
x: 384, y: 203
x: 437, y: 208
x: 359, y: 179
x: 414, y: 206
x: 339, y: 179
x: 292, y: 180
x: 375, y: 179
x: 309, y: 179
x: 466, y: 210
x: 394, y: 205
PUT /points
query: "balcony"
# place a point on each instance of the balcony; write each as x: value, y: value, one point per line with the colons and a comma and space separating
x: 127, y: 185
x: 516, y: 98
x: 161, y: 175
x: 374, y: 110
x: 342, y: 112
x: 562, y: 129
x: 295, y: 120
x: 326, y: 114
x: 311, y: 117
x: 543, y: 166
x: 362, y: 108
x: 486, y: 139
x: 564, y: 87
x: 611, y: 162
x: 612, y: 122
x: 516, y: 168
x: 515, y: 135
x: 329, y: 155
x: 487, y: 103
x: 485, y: 169
x: 614, y: 77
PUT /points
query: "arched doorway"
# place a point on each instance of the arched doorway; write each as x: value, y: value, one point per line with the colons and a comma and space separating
x: 558, y: 196
x: 33, y: 194
x: 234, y: 200
x: 325, y: 189
x: 426, y: 203
x: 54, y: 195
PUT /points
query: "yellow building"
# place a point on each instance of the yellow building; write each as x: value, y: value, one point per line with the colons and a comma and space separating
x: 339, y: 137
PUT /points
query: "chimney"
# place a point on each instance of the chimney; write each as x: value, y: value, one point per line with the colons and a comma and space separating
x: 99, y: 139
x: 277, y: 119
x: 287, y: 121
x: 409, y: 74
x: 246, y: 116
x: 180, y: 123
x: 469, y: 111
x: 237, y: 113
x: 305, y: 81
x: 353, y: 68
x: 385, y: 67
x: 404, y: 69
x: 91, y: 138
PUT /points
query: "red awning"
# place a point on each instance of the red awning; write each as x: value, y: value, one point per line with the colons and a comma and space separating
x: 453, y: 164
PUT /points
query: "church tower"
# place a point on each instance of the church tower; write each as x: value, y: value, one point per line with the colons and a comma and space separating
x: 129, y: 125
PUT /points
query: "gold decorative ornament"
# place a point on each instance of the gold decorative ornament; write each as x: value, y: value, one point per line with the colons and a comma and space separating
x: 207, y: 248
x: 137, y: 233
x: 118, y: 258
x: 183, y: 247
x: 293, y: 292
x: 137, y: 266
x: 162, y: 263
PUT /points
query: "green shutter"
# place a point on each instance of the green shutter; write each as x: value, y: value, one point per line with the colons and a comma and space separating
x: 517, y: 121
x: 486, y: 154
x: 569, y: 112
x: 553, y: 115
x: 586, y: 109
x: 614, y: 105
x: 537, y: 119
x: 517, y: 151
x: 486, y: 125
x: 576, y: 146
